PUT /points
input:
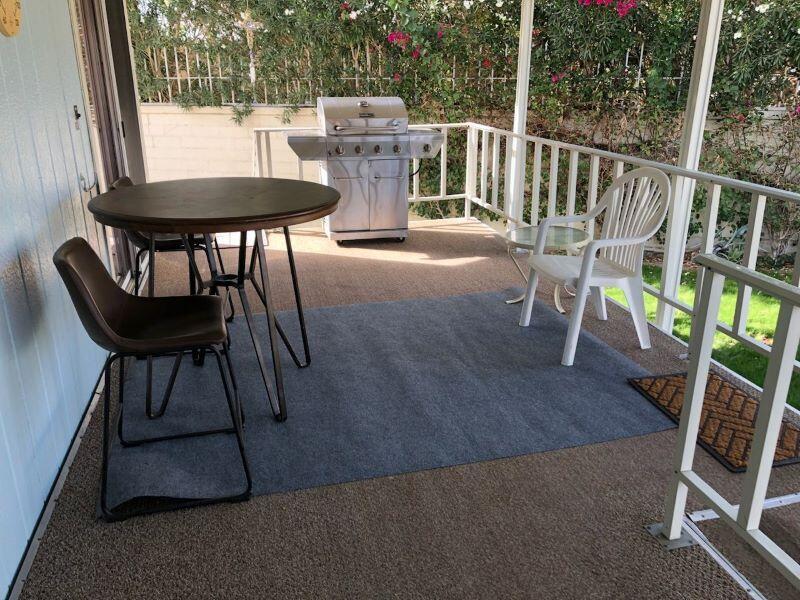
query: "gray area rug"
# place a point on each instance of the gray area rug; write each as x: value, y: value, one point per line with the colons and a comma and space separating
x: 393, y: 387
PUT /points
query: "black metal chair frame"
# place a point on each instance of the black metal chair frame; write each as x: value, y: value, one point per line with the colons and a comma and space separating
x: 237, y: 418
x: 190, y: 246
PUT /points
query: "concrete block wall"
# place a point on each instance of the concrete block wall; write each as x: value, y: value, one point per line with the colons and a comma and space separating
x: 206, y: 142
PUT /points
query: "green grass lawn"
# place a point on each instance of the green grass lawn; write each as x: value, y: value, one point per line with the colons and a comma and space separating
x: 760, y: 324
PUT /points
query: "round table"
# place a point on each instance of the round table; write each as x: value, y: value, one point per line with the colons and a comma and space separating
x: 558, y: 238
x: 226, y: 204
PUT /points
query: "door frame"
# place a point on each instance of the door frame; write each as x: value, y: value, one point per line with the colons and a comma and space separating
x: 104, y: 52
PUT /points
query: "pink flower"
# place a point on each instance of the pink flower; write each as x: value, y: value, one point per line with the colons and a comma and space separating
x: 797, y: 110
x: 344, y: 6
x: 439, y: 34
x: 486, y: 63
x: 556, y: 77
x: 399, y: 38
x: 415, y: 53
x: 624, y: 7
x: 397, y: 77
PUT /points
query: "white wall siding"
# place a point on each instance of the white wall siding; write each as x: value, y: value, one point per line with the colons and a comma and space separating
x: 48, y: 366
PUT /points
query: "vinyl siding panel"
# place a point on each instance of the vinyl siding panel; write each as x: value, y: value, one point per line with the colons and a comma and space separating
x: 48, y: 366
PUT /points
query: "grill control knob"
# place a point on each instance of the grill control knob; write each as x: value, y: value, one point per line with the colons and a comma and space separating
x: 378, y: 149
x: 359, y: 149
x: 426, y: 148
x: 339, y: 150
x: 397, y: 148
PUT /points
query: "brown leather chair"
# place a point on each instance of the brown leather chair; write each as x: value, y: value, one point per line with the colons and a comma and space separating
x: 171, y: 242
x: 126, y: 325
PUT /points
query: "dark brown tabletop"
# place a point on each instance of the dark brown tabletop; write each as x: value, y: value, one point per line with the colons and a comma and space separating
x: 214, y: 205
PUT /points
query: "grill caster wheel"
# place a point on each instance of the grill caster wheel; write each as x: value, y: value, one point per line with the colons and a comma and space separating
x: 400, y: 240
x: 340, y: 242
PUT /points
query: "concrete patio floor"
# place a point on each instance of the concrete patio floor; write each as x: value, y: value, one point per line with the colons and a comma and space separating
x: 562, y: 524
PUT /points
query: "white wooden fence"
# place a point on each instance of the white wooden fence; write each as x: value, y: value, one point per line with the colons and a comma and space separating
x: 183, y: 69
x: 486, y: 186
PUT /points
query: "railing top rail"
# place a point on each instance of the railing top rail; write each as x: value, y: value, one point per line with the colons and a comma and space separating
x: 745, y: 186
x: 737, y: 184
x: 765, y: 283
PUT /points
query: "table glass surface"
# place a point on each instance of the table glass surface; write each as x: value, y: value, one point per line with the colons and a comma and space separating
x: 558, y: 237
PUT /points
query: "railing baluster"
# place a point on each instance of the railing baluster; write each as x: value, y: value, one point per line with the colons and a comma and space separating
x: 443, y: 163
x: 591, y: 201
x: 536, y: 184
x: 300, y: 173
x: 177, y: 69
x: 572, y: 183
x: 495, y: 169
x: 752, y: 243
x: 166, y: 74
x: 710, y: 215
x: 796, y: 272
x: 470, y: 190
x: 552, y: 195
x: 484, y: 166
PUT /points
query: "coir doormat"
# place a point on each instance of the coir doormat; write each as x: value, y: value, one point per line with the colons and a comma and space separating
x: 728, y: 420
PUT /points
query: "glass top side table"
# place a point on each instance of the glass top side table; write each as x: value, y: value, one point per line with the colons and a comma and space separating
x: 559, y: 237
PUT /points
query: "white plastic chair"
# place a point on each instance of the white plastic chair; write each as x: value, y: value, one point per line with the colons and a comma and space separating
x: 635, y: 206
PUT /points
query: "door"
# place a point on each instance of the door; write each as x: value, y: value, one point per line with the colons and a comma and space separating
x: 102, y: 37
x: 388, y: 194
x: 350, y: 179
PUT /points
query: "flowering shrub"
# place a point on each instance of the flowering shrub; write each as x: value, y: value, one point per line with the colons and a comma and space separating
x: 457, y: 57
x: 613, y: 70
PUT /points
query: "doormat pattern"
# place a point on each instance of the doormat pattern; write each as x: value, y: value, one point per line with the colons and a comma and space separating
x: 727, y: 424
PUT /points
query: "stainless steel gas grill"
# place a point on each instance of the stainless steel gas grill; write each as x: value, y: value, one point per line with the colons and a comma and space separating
x: 364, y: 145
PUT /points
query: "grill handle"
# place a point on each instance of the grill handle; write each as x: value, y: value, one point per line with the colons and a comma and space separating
x: 365, y: 130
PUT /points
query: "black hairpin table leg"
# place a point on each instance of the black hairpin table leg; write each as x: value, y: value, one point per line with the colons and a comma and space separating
x: 298, y: 303
x: 276, y: 398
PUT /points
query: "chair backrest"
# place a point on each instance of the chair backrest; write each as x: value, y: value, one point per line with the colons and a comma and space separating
x: 97, y: 298
x: 134, y: 237
x: 124, y: 181
x: 635, y: 206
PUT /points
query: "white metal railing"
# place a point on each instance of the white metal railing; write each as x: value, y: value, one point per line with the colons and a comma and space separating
x: 744, y: 518
x: 487, y: 185
x: 483, y: 150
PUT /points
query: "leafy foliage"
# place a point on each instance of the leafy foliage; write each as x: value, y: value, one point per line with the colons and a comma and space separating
x: 613, y: 73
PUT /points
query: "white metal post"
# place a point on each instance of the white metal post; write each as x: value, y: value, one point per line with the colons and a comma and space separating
x: 770, y: 415
x: 705, y: 55
x: 515, y: 171
x: 470, y: 187
x: 701, y: 343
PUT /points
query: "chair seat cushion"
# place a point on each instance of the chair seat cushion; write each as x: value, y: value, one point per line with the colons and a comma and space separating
x: 153, y: 325
x: 567, y: 269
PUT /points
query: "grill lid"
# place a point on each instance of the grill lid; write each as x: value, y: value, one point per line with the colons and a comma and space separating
x: 362, y: 116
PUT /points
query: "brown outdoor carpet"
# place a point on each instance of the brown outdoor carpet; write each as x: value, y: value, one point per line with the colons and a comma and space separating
x: 727, y: 424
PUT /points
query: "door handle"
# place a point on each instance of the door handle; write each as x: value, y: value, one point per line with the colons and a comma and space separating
x: 89, y: 188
